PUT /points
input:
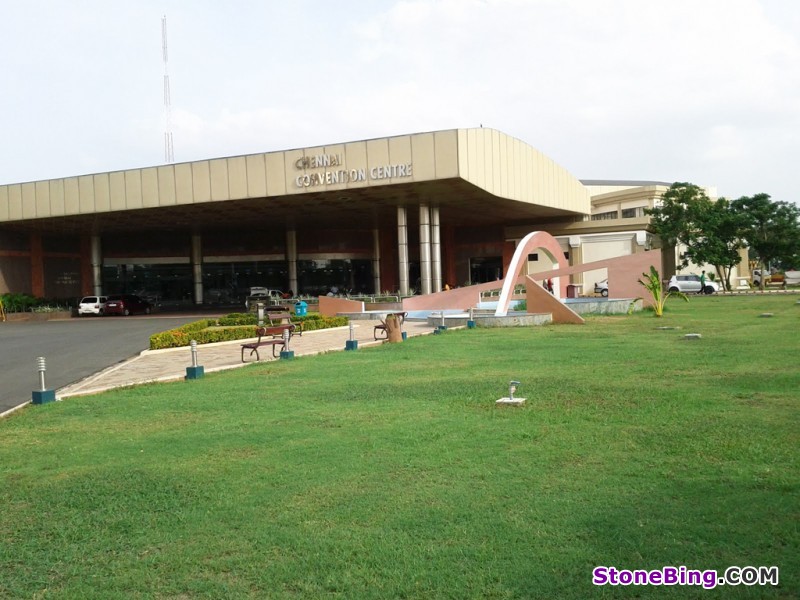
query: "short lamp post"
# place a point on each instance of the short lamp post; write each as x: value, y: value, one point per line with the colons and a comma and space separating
x: 286, y: 354
x: 352, y: 343
x: 195, y: 371
x: 471, y: 320
x: 441, y: 327
x: 42, y: 395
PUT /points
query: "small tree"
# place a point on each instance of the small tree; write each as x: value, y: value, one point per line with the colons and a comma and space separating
x: 652, y: 283
x: 711, y: 230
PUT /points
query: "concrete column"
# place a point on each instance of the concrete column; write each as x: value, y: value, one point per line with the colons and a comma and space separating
x: 376, y: 260
x: 197, y: 268
x: 291, y: 258
x: 576, y: 257
x: 96, y: 253
x: 436, y: 251
x: 402, y: 249
x: 639, y: 242
x: 425, y: 249
x: 743, y: 267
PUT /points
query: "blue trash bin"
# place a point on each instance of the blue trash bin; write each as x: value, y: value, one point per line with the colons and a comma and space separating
x: 300, y: 309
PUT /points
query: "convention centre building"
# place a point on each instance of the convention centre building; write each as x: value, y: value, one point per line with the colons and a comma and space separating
x: 405, y: 214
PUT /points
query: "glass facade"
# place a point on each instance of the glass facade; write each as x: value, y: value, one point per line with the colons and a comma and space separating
x: 230, y: 282
x: 159, y: 283
x: 349, y: 275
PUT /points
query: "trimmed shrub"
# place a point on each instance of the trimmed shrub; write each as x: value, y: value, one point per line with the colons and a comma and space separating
x: 234, y: 319
x: 205, y: 331
x: 314, y: 322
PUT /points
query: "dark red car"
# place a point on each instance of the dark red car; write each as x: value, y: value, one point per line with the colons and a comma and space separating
x: 126, y: 304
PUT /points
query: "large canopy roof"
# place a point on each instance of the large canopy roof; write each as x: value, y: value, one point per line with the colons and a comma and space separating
x: 476, y: 177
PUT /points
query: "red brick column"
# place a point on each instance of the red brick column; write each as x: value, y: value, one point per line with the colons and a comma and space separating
x: 37, y: 266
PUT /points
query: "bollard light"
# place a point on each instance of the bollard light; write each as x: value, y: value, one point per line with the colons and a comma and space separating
x: 352, y: 343
x: 195, y: 371
x: 260, y: 308
x: 286, y: 353
x: 41, y: 364
x: 442, y: 327
x: 512, y: 387
x: 42, y: 395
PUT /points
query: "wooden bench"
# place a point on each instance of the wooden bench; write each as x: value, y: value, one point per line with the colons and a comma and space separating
x: 278, y: 318
x: 401, y: 317
x: 269, y: 336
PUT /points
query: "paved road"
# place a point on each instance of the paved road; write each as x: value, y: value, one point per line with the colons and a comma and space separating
x: 74, y: 349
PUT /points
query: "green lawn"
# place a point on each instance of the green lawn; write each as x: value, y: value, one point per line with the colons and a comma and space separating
x: 389, y: 472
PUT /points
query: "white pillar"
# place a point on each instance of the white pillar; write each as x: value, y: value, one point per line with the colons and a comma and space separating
x: 436, y: 250
x: 425, y: 249
x: 376, y: 260
x: 197, y: 268
x: 291, y: 258
x: 402, y: 249
x: 97, y: 265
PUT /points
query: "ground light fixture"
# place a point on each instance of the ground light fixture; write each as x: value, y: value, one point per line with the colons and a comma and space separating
x: 195, y: 371
x: 510, y: 399
x: 352, y: 343
x: 42, y: 395
x: 286, y: 354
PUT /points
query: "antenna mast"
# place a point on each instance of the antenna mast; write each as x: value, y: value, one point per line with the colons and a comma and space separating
x: 169, y: 153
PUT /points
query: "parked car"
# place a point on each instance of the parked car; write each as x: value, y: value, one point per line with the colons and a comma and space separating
x: 127, y: 304
x: 91, y: 305
x: 689, y: 284
x: 601, y: 287
x: 261, y: 294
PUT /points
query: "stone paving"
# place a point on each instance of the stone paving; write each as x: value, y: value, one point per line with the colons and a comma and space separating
x: 169, y: 365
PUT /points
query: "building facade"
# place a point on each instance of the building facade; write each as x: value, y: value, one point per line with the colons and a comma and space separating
x: 407, y: 214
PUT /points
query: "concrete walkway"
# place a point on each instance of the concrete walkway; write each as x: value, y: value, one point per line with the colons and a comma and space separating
x: 170, y: 365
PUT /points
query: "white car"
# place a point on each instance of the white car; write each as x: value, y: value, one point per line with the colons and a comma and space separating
x: 601, y: 287
x: 261, y: 294
x: 690, y: 284
x: 92, y: 305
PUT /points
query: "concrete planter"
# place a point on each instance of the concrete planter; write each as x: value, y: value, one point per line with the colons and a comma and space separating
x: 40, y: 316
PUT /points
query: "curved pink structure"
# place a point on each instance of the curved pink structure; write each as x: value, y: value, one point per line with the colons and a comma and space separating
x: 536, y: 241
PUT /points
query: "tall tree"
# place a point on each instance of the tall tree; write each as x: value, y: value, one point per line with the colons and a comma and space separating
x: 771, y: 229
x: 709, y: 229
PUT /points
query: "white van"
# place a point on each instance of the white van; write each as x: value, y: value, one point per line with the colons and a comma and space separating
x: 92, y: 305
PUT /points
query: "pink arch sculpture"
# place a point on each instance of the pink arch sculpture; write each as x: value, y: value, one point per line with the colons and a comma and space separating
x: 537, y: 240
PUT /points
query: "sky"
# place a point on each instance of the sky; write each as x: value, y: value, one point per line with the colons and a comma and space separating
x: 704, y: 91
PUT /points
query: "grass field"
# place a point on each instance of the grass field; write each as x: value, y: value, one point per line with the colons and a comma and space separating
x: 390, y: 473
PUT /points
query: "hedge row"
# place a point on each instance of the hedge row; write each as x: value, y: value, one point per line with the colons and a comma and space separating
x: 201, y: 331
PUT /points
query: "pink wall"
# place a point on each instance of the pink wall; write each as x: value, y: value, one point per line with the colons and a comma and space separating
x: 330, y: 306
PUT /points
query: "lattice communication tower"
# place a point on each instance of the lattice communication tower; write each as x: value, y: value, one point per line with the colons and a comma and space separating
x: 169, y: 152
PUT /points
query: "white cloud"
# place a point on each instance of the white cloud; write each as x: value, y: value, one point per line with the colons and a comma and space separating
x: 666, y: 89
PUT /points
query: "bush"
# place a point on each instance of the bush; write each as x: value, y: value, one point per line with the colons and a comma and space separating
x: 231, y: 327
x: 314, y: 322
x: 19, y: 302
x: 234, y: 319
